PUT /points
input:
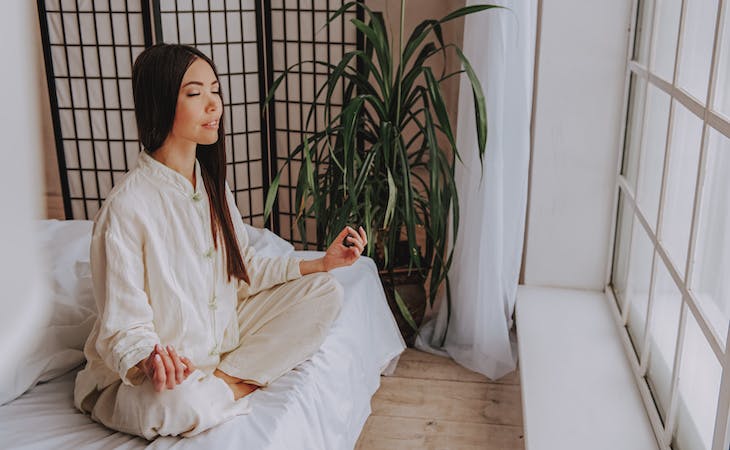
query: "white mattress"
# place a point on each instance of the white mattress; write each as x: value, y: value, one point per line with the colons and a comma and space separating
x: 322, y: 404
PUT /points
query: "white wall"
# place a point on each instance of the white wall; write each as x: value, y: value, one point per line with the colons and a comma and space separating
x: 579, y: 99
x: 21, y: 182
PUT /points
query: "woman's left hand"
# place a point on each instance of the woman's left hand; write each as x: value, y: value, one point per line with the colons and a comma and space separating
x: 346, y: 248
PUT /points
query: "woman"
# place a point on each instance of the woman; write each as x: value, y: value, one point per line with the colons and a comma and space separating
x: 190, y: 319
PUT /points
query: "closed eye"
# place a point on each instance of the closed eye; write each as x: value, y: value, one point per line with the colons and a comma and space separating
x: 195, y: 94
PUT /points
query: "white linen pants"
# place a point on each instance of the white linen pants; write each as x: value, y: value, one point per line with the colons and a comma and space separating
x: 279, y: 328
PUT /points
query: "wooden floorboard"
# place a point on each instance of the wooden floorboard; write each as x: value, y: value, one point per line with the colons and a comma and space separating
x: 431, y: 402
x: 389, y: 433
x: 417, y: 364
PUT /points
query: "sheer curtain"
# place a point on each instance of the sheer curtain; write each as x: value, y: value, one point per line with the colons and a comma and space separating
x: 487, y: 254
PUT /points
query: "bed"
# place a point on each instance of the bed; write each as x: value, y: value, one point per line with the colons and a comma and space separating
x: 322, y: 404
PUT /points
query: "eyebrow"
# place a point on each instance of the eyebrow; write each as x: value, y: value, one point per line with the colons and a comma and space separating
x: 198, y: 83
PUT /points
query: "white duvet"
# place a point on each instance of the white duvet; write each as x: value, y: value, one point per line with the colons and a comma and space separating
x: 322, y: 404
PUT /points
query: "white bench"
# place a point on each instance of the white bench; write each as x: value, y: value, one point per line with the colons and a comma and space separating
x: 578, y: 391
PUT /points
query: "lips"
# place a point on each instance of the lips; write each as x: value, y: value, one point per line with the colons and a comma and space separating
x: 212, y: 125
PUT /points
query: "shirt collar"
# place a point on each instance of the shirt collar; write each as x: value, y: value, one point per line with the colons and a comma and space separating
x: 162, y: 172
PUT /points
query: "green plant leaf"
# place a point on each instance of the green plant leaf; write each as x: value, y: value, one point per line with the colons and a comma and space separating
x: 480, y: 107
x: 416, y: 70
x: 448, y: 311
x: 467, y: 10
x: 368, y: 223
x: 418, y: 35
x: 403, y: 308
x: 381, y: 159
x: 344, y: 8
x: 434, y: 92
x: 270, y: 196
x: 364, y: 170
x: 379, y: 43
x: 392, y: 197
x: 350, y: 116
x: 409, y: 210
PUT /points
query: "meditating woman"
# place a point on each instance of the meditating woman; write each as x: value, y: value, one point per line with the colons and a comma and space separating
x: 190, y: 318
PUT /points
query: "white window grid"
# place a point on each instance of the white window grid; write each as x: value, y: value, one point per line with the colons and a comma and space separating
x: 664, y: 430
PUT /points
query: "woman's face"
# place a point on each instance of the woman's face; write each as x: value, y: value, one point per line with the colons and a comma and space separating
x: 199, y: 106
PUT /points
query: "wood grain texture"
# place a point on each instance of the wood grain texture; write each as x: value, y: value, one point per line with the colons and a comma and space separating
x: 433, y: 403
x: 389, y: 433
x: 417, y: 364
x: 449, y: 400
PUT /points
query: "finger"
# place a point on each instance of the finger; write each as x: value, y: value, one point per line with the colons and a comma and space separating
x: 189, y: 367
x: 358, y: 245
x: 352, y: 231
x: 158, y: 350
x: 363, y: 235
x: 179, y: 367
x: 150, y: 363
x: 169, y: 368
x: 344, y: 238
x: 158, y: 376
x: 343, y: 233
x: 357, y: 241
x: 353, y: 236
x: 177, y: 363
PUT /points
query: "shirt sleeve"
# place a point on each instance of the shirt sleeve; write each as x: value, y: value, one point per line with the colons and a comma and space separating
x: 126, y: 331
x: 263, y: 272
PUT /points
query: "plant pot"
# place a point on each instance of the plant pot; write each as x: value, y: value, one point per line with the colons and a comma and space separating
x: 411, y: 288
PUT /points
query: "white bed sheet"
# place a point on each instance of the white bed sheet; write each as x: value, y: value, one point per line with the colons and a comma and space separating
x: 322, y: 404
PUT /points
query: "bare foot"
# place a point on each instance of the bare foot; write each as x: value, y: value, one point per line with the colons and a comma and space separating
x: 225, y: 377
x: 239, y: 388
x: 242, y: 389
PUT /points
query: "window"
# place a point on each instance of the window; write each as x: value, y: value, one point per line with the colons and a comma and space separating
x: 671, y: 263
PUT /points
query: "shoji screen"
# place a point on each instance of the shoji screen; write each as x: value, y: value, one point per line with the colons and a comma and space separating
x: 228, y: 33
x: 90, y: 46
x: 297, y: 34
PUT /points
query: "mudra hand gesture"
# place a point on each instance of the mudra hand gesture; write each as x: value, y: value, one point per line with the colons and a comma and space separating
x: 165, y: 368
x: 345, y: 249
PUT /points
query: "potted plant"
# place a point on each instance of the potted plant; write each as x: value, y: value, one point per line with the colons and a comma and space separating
x: 379, y: 163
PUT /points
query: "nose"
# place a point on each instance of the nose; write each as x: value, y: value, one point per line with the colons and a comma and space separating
x: 214, y: 103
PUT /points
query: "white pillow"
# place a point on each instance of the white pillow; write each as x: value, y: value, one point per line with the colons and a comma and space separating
x: 70, y: 311
x: 267, y: 243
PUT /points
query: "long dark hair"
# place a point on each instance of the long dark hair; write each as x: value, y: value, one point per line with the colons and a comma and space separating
x: 156, y: 77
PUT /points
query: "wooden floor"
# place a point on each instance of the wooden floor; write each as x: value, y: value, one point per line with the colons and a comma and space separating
x: 433, y: 403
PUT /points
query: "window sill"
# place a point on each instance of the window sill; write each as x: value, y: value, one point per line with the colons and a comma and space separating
x: 578, y: 388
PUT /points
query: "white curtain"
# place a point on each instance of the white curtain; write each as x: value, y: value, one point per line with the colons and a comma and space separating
x: 487, y: 255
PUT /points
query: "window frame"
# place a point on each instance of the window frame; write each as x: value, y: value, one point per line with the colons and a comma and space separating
x: 719, y: 345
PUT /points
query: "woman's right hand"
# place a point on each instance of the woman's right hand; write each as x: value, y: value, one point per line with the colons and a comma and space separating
x: 165, y: 368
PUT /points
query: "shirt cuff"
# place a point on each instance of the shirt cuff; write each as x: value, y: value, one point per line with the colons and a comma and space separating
x: 130, y: 359
x: 292, y: 270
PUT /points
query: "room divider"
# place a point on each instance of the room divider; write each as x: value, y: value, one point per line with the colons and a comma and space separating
x: 90, y: 46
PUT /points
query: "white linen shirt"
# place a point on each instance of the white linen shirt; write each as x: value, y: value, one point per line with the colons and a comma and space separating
x: 158, y: 278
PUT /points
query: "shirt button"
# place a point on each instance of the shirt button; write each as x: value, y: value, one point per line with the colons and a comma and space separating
x: 209, y: 254
x: 197, y: 197
x: 213, y: 352
x: 213, y: 304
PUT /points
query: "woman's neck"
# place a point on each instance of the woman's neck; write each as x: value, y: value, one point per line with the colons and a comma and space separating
x: 180, y: 158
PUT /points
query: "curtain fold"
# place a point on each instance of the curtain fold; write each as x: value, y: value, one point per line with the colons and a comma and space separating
x: 487, y: 255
